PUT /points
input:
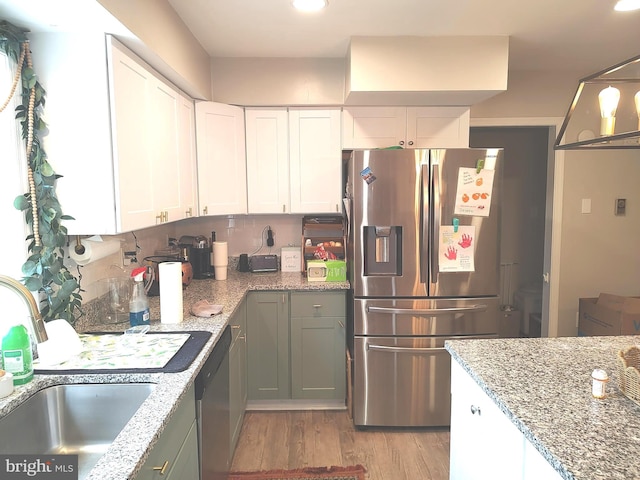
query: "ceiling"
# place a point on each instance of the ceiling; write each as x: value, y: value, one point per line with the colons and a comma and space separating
x: 573, y: 35
x: 579, y: 36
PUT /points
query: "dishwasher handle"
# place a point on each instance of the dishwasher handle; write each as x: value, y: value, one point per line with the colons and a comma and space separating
x: 427, y: 311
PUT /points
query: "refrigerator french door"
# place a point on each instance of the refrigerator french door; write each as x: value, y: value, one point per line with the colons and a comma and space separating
x: 406, y: 301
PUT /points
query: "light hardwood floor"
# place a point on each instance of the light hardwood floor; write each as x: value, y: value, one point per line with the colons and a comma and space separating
x: 295, y: 439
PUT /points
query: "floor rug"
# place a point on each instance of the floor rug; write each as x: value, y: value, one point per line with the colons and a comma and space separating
x: 310, y: 473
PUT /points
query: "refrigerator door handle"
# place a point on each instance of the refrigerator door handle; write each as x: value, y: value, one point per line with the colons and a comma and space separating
x: 424, y: 227
x: 383, y: 348
x: 428, y: 311
x: 435, y: 220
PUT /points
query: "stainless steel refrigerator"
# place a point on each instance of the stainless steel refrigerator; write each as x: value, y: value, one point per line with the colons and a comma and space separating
x: 423, y: 262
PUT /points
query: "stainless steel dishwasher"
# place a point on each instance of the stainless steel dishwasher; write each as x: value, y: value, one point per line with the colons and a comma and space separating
x: 212, y: 411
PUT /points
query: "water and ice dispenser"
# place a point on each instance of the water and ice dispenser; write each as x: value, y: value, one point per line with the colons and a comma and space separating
x: 382, y: 250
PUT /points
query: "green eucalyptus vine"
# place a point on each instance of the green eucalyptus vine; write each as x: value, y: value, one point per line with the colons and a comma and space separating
x: 44, y: 271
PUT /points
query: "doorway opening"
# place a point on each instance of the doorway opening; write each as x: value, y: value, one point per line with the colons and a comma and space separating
x: 523, y: 236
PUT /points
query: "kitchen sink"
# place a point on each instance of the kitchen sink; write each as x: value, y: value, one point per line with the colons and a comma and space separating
x: 77, y: 419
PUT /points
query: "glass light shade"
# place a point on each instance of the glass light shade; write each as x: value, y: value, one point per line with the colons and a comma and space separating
x: 310, y: 5
x: 608, y: 99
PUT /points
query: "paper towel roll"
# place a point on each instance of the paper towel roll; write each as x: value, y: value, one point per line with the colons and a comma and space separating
x: 220, y: 254
x: 170, y: 278
x: 94, y: 250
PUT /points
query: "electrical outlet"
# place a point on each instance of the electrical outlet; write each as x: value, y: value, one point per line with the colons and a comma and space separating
x: 129, y: 257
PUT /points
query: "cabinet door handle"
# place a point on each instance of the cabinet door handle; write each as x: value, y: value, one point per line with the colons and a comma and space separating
x: 284, y: 208
x: 401, y: 142
x: 163, y: 468
x: 410, y: 142
x: 205, y: 210
x: 242, y: 337
x: 340, y: 323
x: 317, y: 305
x: 475, y: 410
x: 235, y: 327
x: 189, y: 212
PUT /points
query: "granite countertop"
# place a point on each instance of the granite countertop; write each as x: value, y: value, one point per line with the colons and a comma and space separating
x: 130, y: 449
x: 543, y: 385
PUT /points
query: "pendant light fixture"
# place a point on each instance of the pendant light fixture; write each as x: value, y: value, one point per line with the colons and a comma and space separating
x: 607, y: 102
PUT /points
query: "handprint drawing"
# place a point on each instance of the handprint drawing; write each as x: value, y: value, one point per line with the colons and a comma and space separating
x: 451, y: 253
x: 466, y: 241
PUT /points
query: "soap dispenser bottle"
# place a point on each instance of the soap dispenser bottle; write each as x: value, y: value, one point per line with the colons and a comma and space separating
x: 139, y: 303
x: 17, y: 356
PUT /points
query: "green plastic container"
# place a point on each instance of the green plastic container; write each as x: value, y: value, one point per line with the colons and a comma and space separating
x: 17, y: 357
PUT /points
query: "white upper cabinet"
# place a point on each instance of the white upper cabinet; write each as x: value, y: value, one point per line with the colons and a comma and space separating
x: 294, y: 160
x: 267, y: 137
x: 222, y: 174
x: 148, y: 144
x: 407, y: 127
x: 187, y: 147
x: 114, y: 134
x: 315, y: 160
x: 132, y: 88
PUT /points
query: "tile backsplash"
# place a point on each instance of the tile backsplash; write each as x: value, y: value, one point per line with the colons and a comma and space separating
x: 244, y: 234
x: 247, y: 233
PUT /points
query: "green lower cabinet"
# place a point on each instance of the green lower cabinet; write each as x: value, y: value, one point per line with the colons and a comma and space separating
x: 318, y: 345
x: 175, y: 455
x: 268, y: 346
x: 296, y: 344
x: 318, y: 358
x: 237, y: 374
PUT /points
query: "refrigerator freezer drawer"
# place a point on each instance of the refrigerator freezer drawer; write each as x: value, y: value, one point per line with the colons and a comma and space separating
x: 401, y: 382
x: 424, y: 316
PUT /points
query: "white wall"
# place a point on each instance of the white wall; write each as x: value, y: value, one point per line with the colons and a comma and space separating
x: 164, y: 35
x: 599, y: 250
x: 278, y: 81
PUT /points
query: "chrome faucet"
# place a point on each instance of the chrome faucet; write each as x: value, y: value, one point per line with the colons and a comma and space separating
x: 36, y: 319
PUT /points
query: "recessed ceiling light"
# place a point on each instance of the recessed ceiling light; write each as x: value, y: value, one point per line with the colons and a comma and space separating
x: 627, y: 5
x: 310, y: 5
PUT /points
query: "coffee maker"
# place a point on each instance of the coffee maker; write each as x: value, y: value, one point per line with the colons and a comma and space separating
x: 199, y: 251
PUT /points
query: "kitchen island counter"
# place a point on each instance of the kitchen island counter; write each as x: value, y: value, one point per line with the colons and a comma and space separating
x: 128, y: 452
x: 543, y: 385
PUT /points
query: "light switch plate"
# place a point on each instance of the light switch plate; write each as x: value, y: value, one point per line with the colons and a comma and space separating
x: 621, y: 206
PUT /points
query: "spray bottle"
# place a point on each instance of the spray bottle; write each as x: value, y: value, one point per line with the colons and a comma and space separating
x: 139, y: 303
